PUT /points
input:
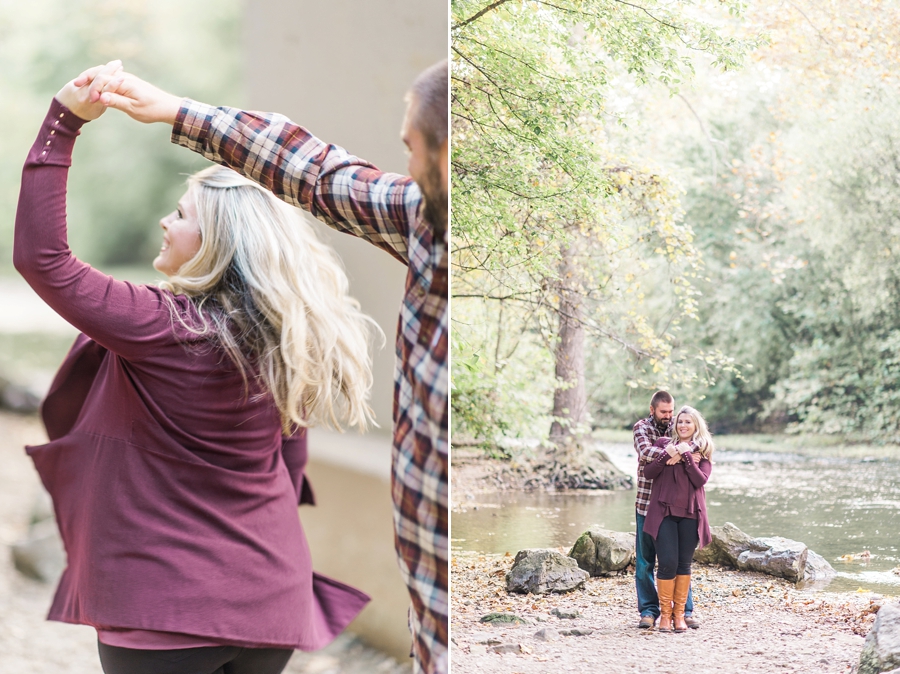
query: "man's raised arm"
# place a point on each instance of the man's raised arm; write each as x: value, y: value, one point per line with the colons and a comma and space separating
x: 345, y: 192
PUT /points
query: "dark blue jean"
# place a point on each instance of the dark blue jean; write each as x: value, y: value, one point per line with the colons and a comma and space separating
x: 644, y: 563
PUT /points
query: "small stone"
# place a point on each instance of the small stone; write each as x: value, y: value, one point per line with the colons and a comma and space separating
x: 507, y: 648
x: 546, y: 634
x: 576, y: 632
x: 566, y: 615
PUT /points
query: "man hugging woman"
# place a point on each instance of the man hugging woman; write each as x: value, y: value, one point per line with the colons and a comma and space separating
x: 675, y: 468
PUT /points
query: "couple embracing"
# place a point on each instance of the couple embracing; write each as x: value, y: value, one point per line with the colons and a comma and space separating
x: 674, y: 453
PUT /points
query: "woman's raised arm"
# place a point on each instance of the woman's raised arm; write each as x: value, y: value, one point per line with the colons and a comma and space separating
x: 125, y: 318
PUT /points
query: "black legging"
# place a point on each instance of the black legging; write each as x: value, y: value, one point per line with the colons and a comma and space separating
x: 675, y: 544
x: 204, y: 660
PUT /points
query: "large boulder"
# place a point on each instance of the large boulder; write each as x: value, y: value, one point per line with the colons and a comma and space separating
x: 775, y: 556
x: 544, y: 571
x: 881, y: 650
x: 601, y: 552
x: 728, y: 542
x: 818, y: 570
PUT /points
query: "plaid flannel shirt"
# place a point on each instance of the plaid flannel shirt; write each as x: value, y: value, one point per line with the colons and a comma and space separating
x: 646, y: 433
x: 353, y: 196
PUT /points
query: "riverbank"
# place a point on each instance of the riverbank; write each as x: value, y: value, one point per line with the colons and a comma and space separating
x: 749, y: 623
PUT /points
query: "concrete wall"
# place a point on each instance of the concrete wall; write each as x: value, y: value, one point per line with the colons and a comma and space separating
x: 341, y: 68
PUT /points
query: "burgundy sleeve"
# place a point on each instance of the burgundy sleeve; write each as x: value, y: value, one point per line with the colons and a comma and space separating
x: 698, y: 474
x: 294, y: 452
x: 128, y: 319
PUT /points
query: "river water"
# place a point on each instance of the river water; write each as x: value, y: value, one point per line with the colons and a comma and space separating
x: 836, y: 506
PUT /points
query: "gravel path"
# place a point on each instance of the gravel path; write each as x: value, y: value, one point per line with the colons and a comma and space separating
x: 749, y: 623
x: 29, y: 644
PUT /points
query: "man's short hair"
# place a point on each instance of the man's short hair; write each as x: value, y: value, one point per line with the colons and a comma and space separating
x: 430, y: 95
x: 661, y: 397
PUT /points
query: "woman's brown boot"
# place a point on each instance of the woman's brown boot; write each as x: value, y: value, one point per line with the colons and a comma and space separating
x: 682, y: 586
x: 665, y: 589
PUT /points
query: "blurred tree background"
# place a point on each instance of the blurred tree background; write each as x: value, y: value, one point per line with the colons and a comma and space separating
x: 125, y: 175
x: 731, y: 179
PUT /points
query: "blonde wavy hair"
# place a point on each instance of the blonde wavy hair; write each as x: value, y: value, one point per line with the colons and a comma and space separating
x: 276, y: 299
x: 702, y: 437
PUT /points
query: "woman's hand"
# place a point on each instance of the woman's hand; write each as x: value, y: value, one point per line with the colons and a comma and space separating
x: 138, y: 99
x: 672, y: 451
x: 77, y: 98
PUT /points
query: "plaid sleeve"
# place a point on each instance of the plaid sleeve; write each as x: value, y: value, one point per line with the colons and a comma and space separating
x: 343, y: 191
x: 643, y: 443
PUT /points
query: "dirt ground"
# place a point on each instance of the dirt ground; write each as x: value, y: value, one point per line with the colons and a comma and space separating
x: 29, y: 644
x: 749, y: 622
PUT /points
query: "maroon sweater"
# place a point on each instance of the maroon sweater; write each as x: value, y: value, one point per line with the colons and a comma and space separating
x: 175, y: 494
x: 679, y: 487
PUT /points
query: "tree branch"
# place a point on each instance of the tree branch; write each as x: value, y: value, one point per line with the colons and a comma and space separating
x: 478, y: 15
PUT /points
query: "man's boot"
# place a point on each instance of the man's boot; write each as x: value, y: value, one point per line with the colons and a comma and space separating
x: 665, y: 590
x: 682, y: 585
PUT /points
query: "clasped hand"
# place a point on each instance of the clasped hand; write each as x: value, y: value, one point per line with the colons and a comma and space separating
x: 77, y: 98
x: 676, y: 452
x: 108, y: 86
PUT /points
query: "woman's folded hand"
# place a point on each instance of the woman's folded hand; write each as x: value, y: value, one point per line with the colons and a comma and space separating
x: 77, y: 98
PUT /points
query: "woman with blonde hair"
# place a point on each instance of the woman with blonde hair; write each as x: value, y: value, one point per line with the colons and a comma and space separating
x: 676, y: 516
x: 177, y: 421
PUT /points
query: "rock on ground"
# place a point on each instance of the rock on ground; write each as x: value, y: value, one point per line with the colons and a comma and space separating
x: 750, y: 622
x: 601, y: 552
x: 728, y: 542
x: 818, y: 570
x: 776, y: 556
x: 543, y: 571
x: 881, y: 652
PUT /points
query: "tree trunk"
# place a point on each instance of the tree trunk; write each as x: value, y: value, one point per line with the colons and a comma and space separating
x: 569, y: 399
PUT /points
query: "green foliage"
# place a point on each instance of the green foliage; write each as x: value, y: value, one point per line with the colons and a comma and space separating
x: 845, y: 371
x: 541, y: 172
x: 125, y: 175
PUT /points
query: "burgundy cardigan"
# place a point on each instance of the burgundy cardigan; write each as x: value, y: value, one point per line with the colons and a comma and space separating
x: 175, y: 494
x: 679, y: 483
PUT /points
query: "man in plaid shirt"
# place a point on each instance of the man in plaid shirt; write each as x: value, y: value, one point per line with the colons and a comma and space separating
x: 646, y: 432
x: 403, y: 215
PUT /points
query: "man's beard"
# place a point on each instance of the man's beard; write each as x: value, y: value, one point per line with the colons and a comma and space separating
x: 435, y: 197
x: 662, y: 424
